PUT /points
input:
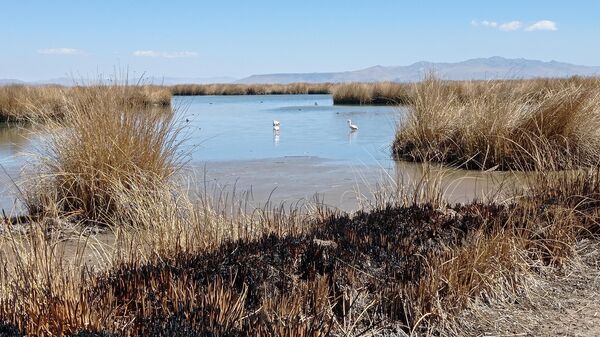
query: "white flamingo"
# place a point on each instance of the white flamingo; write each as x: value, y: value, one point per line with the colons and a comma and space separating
x: 275, y: 123
x: 352, y: 126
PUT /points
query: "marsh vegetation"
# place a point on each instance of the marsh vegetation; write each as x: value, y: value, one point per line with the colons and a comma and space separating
x: 20, y: 103
x: 503, y: 124
x: 408, y: 265
x: 387, y: 93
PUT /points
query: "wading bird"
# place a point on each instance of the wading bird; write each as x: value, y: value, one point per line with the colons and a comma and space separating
x: 352, y: 126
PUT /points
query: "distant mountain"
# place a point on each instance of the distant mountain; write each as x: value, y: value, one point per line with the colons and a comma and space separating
x: 477, y: 69
x: 9, y: 81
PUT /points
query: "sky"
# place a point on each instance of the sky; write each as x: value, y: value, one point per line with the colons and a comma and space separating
x: 60, y: 38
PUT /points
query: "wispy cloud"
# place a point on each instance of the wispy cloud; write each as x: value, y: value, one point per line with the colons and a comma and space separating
x: 542, y: 25
x: 485, y: 23
x: 165, y: 54
x: 510, y: 26
x: 60, y: 51
x: 516, y: 25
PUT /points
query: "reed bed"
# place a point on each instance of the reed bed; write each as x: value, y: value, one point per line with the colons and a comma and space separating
x: 503, y: 124
x: 385, y: 93
x: 250, y: 89
x: 19, y: 103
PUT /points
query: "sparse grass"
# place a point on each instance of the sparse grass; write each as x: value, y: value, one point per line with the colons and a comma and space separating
x: 503, y: 124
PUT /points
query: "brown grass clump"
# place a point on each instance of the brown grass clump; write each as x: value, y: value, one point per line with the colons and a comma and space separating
x: 385, y: 93
x: 503, y: 124
x: 104, y: 146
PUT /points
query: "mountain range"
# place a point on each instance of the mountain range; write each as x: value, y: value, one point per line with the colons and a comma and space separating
x: 476, y: 69
x: 495, y: 67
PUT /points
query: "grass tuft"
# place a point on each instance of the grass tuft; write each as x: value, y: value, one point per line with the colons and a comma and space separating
x: 105, y: 146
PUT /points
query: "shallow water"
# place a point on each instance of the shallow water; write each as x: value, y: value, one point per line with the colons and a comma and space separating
x: 240, y: 128
x: 231, y: 142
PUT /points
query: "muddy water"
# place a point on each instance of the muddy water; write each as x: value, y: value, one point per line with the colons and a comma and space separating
x: 344, y: 186
x: 231, y: 143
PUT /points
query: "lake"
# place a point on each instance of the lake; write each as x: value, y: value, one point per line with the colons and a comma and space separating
x: 231, y: 143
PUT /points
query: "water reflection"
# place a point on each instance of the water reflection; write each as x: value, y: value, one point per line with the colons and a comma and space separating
x: 14, y: 139
x: 352, y: 134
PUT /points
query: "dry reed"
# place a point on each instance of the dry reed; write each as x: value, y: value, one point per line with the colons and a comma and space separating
x: 503, y: 124
x: 250, y: 89
x: 385, y: 93
x: 20, y: 103
x: 104, y: 146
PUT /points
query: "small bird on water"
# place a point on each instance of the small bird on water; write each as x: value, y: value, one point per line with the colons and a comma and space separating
x: 275, y: 123
x: 352, y: 127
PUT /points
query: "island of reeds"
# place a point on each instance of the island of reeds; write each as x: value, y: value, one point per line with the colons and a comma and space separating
x: 505, y: 125
x: 170, y: 265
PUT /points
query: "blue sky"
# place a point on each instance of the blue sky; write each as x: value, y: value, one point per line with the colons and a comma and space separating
x: 47, y: 39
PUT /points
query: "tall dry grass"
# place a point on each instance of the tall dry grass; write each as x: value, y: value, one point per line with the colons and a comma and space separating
x: 250, y: 89
x: 503, y: 124
x: 385, y: 93
x: 20, y: 103
x: 105, y: 146
x: 351, y: 93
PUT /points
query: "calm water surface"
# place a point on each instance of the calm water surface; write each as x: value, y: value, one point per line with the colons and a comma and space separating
x: 240, y: 128
x: 231, y: 142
